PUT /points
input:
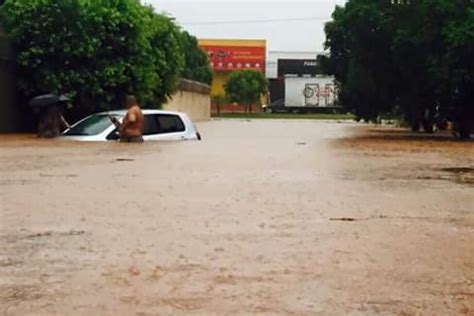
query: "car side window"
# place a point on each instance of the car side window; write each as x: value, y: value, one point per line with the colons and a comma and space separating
x: 151, y: 125
x: 169, y: 123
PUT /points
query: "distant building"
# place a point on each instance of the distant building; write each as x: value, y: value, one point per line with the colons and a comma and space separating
x: 227, y: 55
x: 275, y: 56
x: 295, y: 80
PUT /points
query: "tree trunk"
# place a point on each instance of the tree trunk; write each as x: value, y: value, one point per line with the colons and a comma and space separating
x: 428, y: 126
x: 464, y: 130
x: 415, y: 125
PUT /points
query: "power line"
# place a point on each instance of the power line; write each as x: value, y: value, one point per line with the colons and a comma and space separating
x: 256, y: 21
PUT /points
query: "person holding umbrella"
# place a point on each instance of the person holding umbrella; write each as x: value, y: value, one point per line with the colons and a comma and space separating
x: 51, y: 120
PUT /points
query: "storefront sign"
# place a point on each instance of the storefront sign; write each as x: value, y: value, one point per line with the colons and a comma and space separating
x: 297, y: 67
x: 230, y: 58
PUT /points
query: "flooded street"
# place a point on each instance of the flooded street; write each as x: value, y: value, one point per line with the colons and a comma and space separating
x: 261, y: 218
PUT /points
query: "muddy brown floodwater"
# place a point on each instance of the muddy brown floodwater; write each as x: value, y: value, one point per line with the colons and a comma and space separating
x: 261, y: 218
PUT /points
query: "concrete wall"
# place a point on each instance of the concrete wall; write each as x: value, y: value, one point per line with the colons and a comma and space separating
x: 193, y: 99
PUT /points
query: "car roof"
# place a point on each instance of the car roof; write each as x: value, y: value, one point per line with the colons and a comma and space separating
x: 144, y: 111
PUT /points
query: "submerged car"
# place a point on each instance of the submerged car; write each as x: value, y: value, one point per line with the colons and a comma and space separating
x: 158, y: 125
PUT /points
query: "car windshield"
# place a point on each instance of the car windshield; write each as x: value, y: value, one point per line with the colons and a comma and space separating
x: 93, y: 125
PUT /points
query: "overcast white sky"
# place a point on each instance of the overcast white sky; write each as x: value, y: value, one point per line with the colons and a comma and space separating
x: 286, y: 25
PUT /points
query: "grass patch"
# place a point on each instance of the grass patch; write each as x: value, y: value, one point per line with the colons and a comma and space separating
x: 285, y: 116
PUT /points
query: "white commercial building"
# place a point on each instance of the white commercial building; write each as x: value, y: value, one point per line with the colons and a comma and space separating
x: 274, y: 56
x: 296, y: 82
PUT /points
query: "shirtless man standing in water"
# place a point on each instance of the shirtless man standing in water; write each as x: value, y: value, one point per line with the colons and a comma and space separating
x: 131, y: 128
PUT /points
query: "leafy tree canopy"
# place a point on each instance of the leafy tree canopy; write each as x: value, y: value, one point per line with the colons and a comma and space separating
x: 94, y: 51
x: 196, y: 61
x: 405, y: 56
x: 246, y: 87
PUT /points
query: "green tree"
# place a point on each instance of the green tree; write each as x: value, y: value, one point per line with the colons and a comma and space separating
x: 359, y: 42
x: 95, y: 52
x: 458, y: 66
x: 167, y: 57
x: 418, y: 50
x: 246, y: 87
x: 196, y: 61
x: 411, y: 57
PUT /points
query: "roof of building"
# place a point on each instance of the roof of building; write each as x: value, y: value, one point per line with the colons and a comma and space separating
x: 233, y: 42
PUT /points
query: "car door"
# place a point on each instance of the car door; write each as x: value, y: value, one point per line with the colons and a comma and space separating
x: 164, y: 127
x: 150, y: 126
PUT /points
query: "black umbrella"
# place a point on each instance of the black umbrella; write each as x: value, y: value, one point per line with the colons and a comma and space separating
x: 47, y: 99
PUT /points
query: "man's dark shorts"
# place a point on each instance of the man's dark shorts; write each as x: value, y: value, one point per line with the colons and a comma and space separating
x: 131, y: 139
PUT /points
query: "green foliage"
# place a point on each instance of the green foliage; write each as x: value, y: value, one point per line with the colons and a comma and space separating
x: 196, y: 65
x: 359, y: 42
x: 414, y: 57
x: 219, y: 99
x: 246, y: 87
x: 95, y: 51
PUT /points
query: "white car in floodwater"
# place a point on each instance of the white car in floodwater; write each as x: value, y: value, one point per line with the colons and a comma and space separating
x: 158, y: 125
